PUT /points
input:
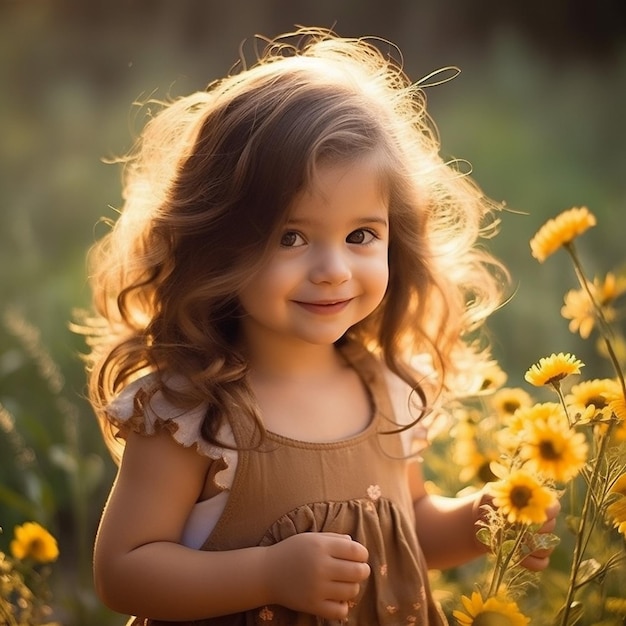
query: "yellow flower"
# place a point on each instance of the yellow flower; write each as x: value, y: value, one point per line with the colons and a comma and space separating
x: 553, y: 449
x: 617, y: 606
x: 519, y: 421
x: 484, y: 378
x: 619, y: 433
x: 510, y: 437
x: 617, y: 405
x: 560, y: 231
x: 465, y: 452
x: 489, y: 612
x: 612, y: 288
x: 478, y: 467
x: 522, y: 498
x: 493, y: 376
x: 589, y: 401
x: 616, y: 511
x: 33, y: 541
x: 464, y: 438
x: 550, y: 370
x: 579, y: 308
x: 509, y: 399
x: 471, y: 449
x: 617, y: 514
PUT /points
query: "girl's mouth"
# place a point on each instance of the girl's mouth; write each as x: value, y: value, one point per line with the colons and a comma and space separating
x: 325, y: 308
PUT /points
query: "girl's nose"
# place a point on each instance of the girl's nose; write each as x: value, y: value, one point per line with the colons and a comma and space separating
x: 330, y: 266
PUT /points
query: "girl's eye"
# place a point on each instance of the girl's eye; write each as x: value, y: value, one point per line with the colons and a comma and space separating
x: 361, y: 236
x: 291, y: 239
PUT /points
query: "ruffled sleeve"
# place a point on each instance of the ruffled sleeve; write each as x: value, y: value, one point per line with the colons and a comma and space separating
x: 143, y: 408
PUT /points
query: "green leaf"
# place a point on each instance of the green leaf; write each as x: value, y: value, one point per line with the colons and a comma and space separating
x: 508, y: 546
x: 545, y: 541
x: 588, y: 571
x: 484, y: 536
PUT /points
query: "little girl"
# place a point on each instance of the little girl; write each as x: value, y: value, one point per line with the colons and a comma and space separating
x: 293, y: 283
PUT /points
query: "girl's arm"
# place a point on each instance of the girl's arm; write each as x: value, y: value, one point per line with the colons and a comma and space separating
x: 446, y: 527
x: 140, y: 568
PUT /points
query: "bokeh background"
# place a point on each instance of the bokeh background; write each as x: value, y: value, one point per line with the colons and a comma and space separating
x: 538, y: 111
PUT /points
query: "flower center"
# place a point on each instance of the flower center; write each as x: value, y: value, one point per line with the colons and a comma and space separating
x: 491, y: 618
x: 484, y: 472
x: 556, y: 379
x: 597, y: 401
x: 548, y: 451
x: 519, y: 497
x: 510, y: 407
x: 36, y: 548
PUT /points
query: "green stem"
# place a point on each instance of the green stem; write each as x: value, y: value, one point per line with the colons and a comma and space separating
x: 616, y: 365
x: 557, y: 387
x: 582, y: 279
x: 607, y: 333
x: 583, y: 534
x: 501, y: 565
x: 496, y: 566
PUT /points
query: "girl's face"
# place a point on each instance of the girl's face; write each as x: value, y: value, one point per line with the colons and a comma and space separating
x: 330, y: 270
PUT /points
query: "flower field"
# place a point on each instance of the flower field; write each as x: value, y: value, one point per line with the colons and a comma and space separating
x: 531, y: 453
x: 537, y: 115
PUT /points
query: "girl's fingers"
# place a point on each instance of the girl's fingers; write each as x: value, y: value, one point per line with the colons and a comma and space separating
x: 535, y: 563
x: 333, y: 610
x: 549, y: 526
x: 343, y: 591
x: 349, y: 571
x: 348, y: 549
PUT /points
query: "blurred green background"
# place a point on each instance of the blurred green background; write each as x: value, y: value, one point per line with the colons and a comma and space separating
x: 538, y: 111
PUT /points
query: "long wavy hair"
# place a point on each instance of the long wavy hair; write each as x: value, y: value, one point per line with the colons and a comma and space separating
x: 208, y: 188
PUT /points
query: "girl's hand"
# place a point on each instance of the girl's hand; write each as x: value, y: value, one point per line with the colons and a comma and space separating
x: 540, y: 559
x: 317, y: 573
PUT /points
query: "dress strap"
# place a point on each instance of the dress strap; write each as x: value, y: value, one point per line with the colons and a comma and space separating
x: 398, y: 406
x: 372, y: 373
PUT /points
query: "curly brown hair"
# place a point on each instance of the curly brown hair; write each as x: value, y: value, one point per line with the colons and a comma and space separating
x: 209, y: 186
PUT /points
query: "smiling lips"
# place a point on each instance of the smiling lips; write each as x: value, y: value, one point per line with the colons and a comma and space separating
x: 325, y: 308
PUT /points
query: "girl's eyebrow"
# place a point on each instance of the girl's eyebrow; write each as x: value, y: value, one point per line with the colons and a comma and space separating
x: 374, y: 219
x: 377, y: 219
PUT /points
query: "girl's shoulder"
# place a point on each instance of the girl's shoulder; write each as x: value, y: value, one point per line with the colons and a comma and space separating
x: 414, y: 408
x: 142, y: 407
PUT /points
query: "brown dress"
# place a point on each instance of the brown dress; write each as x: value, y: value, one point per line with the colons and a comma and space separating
x: 355, y: 486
